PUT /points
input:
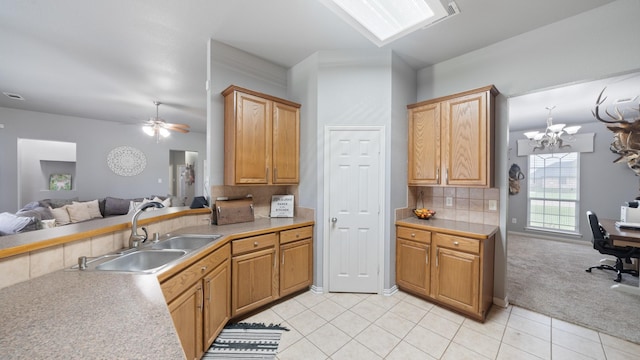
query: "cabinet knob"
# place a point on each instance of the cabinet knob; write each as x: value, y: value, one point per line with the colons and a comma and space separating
x: 456, y: 243
x: 203, y: 269
x: 413, y: 235
x: 297, y: 235
x: 255, y: 244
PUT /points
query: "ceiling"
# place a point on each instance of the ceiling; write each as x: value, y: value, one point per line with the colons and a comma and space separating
x: 110, y: 59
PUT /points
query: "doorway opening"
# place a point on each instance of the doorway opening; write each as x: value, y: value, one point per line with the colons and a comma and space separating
x: 182, y: 176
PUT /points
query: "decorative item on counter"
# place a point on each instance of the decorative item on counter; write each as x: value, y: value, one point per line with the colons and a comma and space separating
x: 282, y: 206
x: 422, y: 212
x: 232, y: 210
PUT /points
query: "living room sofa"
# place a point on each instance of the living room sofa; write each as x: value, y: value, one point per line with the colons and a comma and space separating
x: 48, y: 213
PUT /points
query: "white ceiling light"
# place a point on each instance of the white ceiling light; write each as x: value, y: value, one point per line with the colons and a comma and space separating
x: 383, y: 21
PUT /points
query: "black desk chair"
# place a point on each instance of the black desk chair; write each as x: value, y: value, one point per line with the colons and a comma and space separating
x: 601, y: 243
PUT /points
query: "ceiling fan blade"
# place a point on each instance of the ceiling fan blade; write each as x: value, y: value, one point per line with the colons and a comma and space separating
x: 176, y: 127
x: 183, y: 126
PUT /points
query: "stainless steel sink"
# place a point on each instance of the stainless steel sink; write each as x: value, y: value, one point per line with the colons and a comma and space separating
x: 186, y: 242
x: 141, y: 261
x: 150, y: 258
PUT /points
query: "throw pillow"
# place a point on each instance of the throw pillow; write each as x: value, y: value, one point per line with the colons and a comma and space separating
x: 61, y: 215
x: 78, y: 212
x: 166, y: 202
x: 92, y: 207
x: 115, y: 206
x: 11, y: 224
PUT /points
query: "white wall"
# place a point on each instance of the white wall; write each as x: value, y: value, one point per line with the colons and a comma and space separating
x: 591, y: 45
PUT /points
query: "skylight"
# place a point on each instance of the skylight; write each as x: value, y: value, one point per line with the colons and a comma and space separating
x: 383, y: 21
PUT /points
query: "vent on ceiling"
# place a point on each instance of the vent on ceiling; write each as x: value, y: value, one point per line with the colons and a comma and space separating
x: 452, y: 8
x: 13, y: 96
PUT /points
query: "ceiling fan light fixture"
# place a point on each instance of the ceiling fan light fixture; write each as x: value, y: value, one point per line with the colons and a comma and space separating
x: 164, y: 132
x: 148, y: 129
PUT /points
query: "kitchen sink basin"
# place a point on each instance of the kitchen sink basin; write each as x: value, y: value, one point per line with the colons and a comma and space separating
x: 141, y: 261
x: 186, y: 242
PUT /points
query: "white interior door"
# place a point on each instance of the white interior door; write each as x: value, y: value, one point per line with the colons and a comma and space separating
x: 355, y: 194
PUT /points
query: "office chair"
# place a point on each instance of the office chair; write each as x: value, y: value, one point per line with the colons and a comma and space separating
x: 601, y: 243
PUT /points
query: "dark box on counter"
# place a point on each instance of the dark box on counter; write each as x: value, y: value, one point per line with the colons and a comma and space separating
x: 232, y: 211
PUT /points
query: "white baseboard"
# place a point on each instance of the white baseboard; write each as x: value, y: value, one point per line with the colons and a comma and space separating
x: 501, y: 302
x: 317, y: 289
x: 391, y: 291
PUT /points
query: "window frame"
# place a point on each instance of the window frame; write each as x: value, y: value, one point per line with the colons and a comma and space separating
x: 576, y: 201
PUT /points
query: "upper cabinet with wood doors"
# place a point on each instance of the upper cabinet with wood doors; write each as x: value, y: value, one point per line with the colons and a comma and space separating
x: 451, y: 140
x: 262, y: 138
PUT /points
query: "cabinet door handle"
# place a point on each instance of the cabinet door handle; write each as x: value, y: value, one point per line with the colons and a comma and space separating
x: 207, y: 290
x: 200, y: 298
x: 437, y: 254
x: 267, y: 171
x: 282, y: 258
x: 427, y: 259
x: 446, y: 175
x: 275, y: 174
x: 438, y: 174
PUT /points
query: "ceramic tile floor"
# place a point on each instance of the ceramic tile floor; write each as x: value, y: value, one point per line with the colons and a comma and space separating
x: 341, y: 326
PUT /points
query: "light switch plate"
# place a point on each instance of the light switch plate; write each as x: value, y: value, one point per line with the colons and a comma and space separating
x: 493, y: 205
x: 449, y: 201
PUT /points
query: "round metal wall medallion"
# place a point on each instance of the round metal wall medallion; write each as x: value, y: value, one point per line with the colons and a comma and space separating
x: 126, y: 161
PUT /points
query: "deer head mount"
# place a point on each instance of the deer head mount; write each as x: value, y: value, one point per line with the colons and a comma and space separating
x: 626, y: 133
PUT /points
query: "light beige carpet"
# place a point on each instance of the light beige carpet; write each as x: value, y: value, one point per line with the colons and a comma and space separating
x: 549, y: 277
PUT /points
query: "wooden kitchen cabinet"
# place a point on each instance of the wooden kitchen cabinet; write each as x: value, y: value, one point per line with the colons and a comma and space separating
x: 413, y: 269
x: 198, y: 298
x: 459, y: 272
x: 217, y: 301
x: 262, y: 138
x: 186, y: 312
x: 254, y: 273
x: 296, y: 264
x: 451, y: 140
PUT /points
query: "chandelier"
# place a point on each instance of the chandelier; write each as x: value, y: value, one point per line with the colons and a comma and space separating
x: 554, y: 137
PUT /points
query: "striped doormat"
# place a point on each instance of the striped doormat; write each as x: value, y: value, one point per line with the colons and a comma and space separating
x: 246, y: 341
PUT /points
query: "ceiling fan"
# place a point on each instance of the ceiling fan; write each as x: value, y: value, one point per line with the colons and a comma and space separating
x: 158, y: 127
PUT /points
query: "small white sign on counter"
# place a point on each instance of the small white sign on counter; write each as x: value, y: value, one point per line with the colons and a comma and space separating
x: 282, y: 206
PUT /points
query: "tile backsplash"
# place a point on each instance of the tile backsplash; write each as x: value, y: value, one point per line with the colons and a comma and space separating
x: 474, y: 205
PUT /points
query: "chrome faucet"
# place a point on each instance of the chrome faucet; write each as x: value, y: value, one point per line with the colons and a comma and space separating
x: 136, y: 239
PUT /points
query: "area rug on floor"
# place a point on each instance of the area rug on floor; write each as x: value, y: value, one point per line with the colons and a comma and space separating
x: 246, y: 341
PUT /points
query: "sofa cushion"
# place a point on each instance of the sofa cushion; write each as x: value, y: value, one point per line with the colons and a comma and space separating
x: 57, y: 203
x: 42, y: 213
x: 116, y: 206
x: 78, y: 212
x: 11, y: 224
x: 61, y: 215
x: 92, y: 207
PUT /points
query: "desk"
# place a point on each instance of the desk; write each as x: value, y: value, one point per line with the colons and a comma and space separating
x: 622, y: 237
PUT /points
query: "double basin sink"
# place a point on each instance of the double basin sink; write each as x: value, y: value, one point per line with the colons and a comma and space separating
x: 149, y: 258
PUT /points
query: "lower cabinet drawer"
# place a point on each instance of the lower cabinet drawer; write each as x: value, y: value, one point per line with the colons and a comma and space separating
x: 458, y: 243
x: 176, y: 285
x: 253, y: 243
x: 412, y: 234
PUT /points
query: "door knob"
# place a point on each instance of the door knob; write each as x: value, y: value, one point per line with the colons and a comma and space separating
x: 334, y: 220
